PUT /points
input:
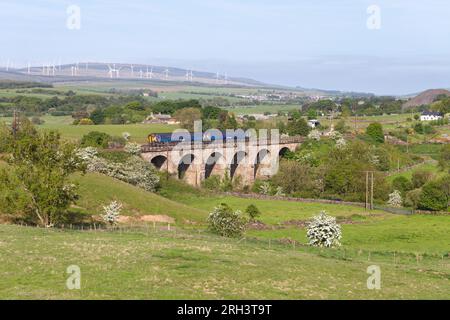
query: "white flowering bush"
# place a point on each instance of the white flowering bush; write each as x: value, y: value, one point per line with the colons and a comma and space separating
x: 395, y: 199
x: 87, y: 154
x: 336, y: 135
x: 133, y: 148
x: 341, y: 143
x: 134, y: 171
x: 323, y: 231
x: 226, y: 222
x: 112, y: 212
x: 314, y: 135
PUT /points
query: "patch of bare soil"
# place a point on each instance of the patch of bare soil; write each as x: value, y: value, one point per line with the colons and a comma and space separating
x: 147, y: 218
x: 258, y: 225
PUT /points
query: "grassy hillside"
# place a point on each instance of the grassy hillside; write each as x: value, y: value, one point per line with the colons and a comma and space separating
x: 97, y: 190
x: 181, y: 265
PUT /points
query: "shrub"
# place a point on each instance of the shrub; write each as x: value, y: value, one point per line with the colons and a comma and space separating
x: 95, y: 139
x: 402, y: 184
x: 133, y: 148
x: 412, y: 198
x: 134, y: 170
x: 253, y: 212
x: 85, y: 122
x: 212, y: 183
x: 323, y: 231
x: 314, y: 135
x: 112, y: 212
x: 226, y: 222
x: 265, y: 188
x: 116, y: 142
x: 375, y: 132
x: 444, y: 157
x: 433, y: 197
x: 395, y: 199
x: 420, y: 178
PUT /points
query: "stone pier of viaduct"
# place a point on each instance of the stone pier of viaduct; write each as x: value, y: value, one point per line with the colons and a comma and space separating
x: 195, y: 162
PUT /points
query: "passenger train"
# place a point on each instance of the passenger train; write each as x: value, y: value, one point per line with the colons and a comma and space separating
x: 209, y: 136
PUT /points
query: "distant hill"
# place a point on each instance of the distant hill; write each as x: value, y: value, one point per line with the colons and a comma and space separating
x: 424, y: 98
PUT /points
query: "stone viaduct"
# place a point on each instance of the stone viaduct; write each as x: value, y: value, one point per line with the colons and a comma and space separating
x: 194, y: 162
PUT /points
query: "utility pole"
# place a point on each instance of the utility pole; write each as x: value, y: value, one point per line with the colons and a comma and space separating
x: 15, y: 124
x: 367, y: 190
x: 371, y: 192
x: 370, y: 179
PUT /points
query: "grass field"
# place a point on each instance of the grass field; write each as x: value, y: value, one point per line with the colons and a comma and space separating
x: 189, y: 263
x: 186, y: 265
x: 260, y: 109
x: 139, y: 132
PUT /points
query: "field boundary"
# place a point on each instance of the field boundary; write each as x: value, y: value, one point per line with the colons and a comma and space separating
x: 398, y: 211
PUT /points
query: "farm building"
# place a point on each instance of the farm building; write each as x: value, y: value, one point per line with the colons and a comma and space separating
x: 161, y: 119
x: 431, y: 116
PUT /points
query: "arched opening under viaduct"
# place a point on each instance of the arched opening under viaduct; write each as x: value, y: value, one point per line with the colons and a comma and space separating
x: 159, y: 162
x: 185, y: 167
x: 235, y: 166
x: 214, y: 165
x: 262, y: 160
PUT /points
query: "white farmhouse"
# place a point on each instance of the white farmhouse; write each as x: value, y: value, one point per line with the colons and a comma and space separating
x: 431, y: 116
x: 313, y: 124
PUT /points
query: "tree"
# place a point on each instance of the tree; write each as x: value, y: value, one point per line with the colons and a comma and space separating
x: 402, y: 184
x: 187, y: 117
x: 211, y: 113
x: 253, y: 212
x: 295, y: 177
x: 298, y: 127
x: 312, y: 114
x: 112, y: 212
x: 40, y: 166
x: 433, y: 197
x: 97, y: 116
x: 375, y: 132
x: 227, y: 121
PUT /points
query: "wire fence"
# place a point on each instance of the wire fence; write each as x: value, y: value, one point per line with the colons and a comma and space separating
x: 345, y: 253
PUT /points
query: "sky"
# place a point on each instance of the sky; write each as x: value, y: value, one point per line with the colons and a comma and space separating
x: 379, y: 46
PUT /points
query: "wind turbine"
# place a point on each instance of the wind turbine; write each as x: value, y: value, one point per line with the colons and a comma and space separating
x: 118, y: 72
x: 166, y: 72
x: 187, y: 75
x: 217, y: 77
x: 112, y: 71
x: 29, y: 68
x: 132, y: 71
x: 191, y: 76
